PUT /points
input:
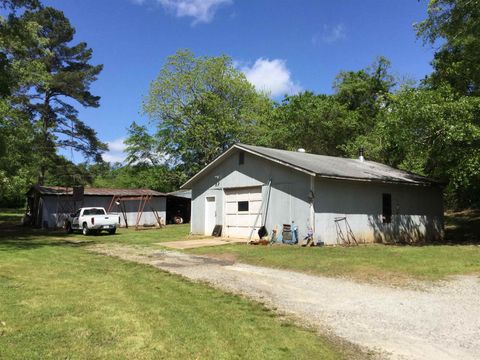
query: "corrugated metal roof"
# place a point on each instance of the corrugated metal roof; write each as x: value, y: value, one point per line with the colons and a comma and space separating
x: 59, y: 190
x: 328, y: 166
x: 187, y: 194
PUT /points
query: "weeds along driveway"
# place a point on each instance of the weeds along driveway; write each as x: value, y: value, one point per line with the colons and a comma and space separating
x: 440, y: 321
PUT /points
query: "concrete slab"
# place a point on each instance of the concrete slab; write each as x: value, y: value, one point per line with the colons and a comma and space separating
x: 196, y: 243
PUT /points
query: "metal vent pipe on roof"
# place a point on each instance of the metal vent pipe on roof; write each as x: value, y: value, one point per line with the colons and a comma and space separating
x: 361, y: 153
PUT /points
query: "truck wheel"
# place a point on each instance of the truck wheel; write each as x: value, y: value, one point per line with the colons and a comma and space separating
x: 112, y: 231
x: 68, y: 228
x: 85, y: 230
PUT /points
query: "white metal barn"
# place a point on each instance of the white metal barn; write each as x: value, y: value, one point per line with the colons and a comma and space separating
x: 49, y: 206
x: 250, y: 186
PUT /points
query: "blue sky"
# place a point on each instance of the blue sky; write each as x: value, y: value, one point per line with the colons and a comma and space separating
x: 283, y: 46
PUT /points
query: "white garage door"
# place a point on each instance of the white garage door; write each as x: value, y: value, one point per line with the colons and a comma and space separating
x: 242, y: 206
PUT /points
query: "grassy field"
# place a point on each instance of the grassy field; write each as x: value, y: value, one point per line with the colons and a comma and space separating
x: 12, y: 231
x: 373, y: 262
x: 11, y: 216
x: 462, y: 227
x: 392, y: 264
x: 59, y: 301
x: 460, y: 254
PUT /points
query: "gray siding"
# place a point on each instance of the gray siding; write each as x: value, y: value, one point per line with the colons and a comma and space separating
x: 417, y: 211
x: 56, y: 209
x: 288, y: 198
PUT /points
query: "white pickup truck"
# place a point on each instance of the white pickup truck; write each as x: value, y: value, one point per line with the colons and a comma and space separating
x: 92, y: 220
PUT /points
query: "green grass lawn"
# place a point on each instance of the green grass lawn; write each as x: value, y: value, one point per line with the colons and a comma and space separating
x: 59, y: 301
x: 11, y: 216
x: 390, y: 264
x: 11, y: 220
x: 13, y: 232
x: 372, y: 262
x: 462, y: 227
x: 142, y: 237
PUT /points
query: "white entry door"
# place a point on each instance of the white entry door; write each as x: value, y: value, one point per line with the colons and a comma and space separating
x: 210, y: 214
x: 243, y: 205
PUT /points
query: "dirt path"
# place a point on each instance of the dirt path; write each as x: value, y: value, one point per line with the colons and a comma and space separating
x: 440, y: 322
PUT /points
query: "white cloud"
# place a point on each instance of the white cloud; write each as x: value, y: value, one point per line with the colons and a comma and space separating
x: 271, y: 76
x: 331, y: 34
x: 116, y: 145
x: 202, y: 11
x: 113, y: 158
x: 115, y: 151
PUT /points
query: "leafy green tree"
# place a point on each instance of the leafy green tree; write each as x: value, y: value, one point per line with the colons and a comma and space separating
x: 160, y: 178
x: 141, y: 146
x: 18, y: 4
x: 454, y: 27
x: 435, y: 133
x: 18, y: 38
x: 146, y: 166
x: 17, y: 164
x: 63, y: 172
x: 365, y: 91
x: 17, y: 69
x: 318, y: 123
x: 203, y: 105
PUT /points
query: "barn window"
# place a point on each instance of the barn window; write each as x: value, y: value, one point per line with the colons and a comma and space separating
x: 387, y: 208
x: 243, y: 206
x: 241, y: 158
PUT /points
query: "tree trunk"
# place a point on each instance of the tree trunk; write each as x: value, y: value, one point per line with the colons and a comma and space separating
x: 44, y: 151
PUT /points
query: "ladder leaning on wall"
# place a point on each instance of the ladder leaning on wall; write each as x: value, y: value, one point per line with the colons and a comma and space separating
x: 347, y: 238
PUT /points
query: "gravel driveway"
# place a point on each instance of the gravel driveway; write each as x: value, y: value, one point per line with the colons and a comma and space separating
x: 437, y: 322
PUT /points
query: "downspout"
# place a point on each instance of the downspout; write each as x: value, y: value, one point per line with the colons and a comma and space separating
x: 263, y: 210
x: 191, y: 222
x: 312, y: 203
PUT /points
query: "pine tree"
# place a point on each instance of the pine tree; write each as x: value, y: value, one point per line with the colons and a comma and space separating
x: 69, y: 76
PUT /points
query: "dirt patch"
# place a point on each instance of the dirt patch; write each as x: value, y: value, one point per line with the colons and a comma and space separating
x: 192, y: 244
x: 200, y: 242
x: 384, y: 278
x: 228, y: 257
x: 439, y: 322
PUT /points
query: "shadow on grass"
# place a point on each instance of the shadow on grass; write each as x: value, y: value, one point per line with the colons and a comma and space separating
x: 15, y: 236
x: 10, y: 216
x: 462, y: 227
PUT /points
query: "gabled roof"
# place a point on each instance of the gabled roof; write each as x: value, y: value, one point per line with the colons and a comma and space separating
x: 187, y: 194
x: 60, y: 190
x: 325, y: 166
